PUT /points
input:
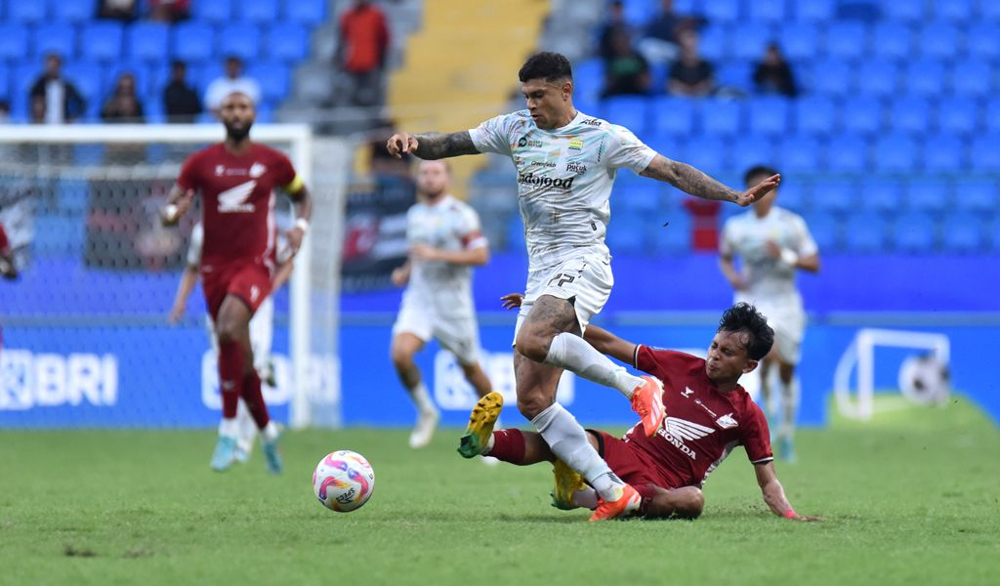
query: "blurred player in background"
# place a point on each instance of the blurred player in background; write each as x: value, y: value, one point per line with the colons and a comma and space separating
x: 445, y: 243
x: 8, y: 267
x: 261, y: 329
x: 566, y: 163
x: 237, y: 179
x: 772, y: 243
x: 710, y: 414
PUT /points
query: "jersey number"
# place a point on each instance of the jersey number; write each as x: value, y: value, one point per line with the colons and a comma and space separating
x: 562, y: 280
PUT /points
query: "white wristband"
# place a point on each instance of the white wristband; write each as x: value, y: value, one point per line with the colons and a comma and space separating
x: 170, y: 212
x: 788, y: 255
x: 302, y: 224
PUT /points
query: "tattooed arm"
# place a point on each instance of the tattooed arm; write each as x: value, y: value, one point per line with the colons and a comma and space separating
x: 432, y: 145
x: 692, y: 181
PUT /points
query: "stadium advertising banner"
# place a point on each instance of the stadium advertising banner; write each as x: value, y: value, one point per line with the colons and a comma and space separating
x: 375, y: 233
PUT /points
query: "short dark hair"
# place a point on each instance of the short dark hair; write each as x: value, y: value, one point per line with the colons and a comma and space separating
x: 758, y: 170
x: 744, y: 317
x: 545, y: 65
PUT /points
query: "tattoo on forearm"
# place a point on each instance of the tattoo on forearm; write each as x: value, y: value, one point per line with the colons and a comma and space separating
x: 688, y: 179
x: 437, y: 145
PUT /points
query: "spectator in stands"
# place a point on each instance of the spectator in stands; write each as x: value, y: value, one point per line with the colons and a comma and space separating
x: 774, y: 75
x: 36, y: 113
x: 117, y: 10
x: 659, y: 42
x: 362, y: 51
x: 626, y: 71
x: 4, y: 111
x: 170, y: 10
x: 690, y: 75
x: 123, y: 105
x: 614, y: 24
x: 179, y: 98
x: 233, y: 81
x: 60, y: 100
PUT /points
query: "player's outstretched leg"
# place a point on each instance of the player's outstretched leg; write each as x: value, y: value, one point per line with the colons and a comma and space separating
x: 478, y: 433
x: 404, y: 346
x: 625, y: 506
x: 789, y: 406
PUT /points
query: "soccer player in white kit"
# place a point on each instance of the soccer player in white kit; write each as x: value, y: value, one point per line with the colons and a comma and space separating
x: 446, y: 241
x: 566, y: 163
x: 261, y: 331
x: 772, y: 243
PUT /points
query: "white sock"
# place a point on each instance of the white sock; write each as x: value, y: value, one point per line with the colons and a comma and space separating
x: 569, y: 442
x: 270, y: 431
x: 229, y: 427
x: 489, y: 446
x: 789, y: 406
x: 574, y: 354
x: 586, y: 498
x: 422, y: 399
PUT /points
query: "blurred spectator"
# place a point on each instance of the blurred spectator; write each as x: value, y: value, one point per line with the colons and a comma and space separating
x: 774, y: 75
x: 4, y: 111
x: 614, y: 24
x: 58, y: 99
x: 179, y: 98
x: 123, y: 105
x: 690, y: 75
x: 117, y: 10
x: 626, y: 71
x: 36, y: 115
x: 170, y: 10
x: 233, y: 81
x: 362, y: 51
x: 659, y: 42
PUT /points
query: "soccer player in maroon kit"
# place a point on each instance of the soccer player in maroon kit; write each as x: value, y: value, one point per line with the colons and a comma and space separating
x: 8, y: 269
x: 237, y: 179
x: 708, y: 414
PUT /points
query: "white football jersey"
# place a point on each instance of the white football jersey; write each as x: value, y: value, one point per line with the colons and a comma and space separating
x: 770, y: 281
x: 449, y: 224
x: 564, y: 178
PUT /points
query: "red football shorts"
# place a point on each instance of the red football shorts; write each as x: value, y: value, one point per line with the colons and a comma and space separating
x: 249, y: 281
x: 631, y: 465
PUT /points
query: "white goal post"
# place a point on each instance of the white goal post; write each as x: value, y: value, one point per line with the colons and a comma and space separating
x: 314, y: 361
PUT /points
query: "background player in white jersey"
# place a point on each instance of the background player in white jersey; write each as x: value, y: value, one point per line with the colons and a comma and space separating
x: 772, y: 243
x: 261, y: 329
x: 445, y: 243
x: 566, y: 163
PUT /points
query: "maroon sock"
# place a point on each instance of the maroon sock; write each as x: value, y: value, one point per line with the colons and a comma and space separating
x: 508, y: 445
x: 231, y: 364
x: 255, y: 400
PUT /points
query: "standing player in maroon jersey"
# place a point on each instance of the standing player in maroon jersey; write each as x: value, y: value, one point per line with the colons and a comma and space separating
x: 237, y: 179
x: 708, y: 414
x: 8, y: 269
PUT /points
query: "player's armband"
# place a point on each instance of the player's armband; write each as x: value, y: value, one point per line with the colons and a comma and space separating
x: 295, y: 185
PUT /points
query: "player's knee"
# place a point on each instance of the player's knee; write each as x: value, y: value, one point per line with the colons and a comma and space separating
x: 530, y: 406
x: 402, y: 358
x: 532, y: 346
x: 227, y: 330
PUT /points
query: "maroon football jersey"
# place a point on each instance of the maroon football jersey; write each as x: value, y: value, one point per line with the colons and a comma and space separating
x: 238, y: 201
x: 4, y: 243
x: 702, y: 425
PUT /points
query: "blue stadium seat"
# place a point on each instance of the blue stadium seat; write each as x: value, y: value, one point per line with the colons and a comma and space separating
x: 904, y: 11
x: 832, y: 77
x: 925, y: 77
x: 88, y: 79
x: 928, y: 197
x: 707, y: 154
x: 204, y: 74
x: 989, y: 10
x: 972, y: 79
x: 751, y: 150
x: 815, y: 115
x: 102, y: 41
x: 982, y: 40
x: 310, y: 12
x: 240, y: 40
x: 963, y: 233
x: 636, y: 197
x: 892, y: 40
x: 825, y: 230
x: 940, y: 41
x: 722, y: 10
x: 958, y: 116
x: 515, y: 233
x: 13, y: 40
x: 862, y: 115
x: 992, y: 115
x: 155, y: 114
x: 752, y: 40
x: 714, y: 42
x: 625, y: 235
x: 915, y: 232
x: 846, y: 40
x: 26, y: 11
x: 882, y: 196
x: 958, y: 11
x: 768, y: 116
x: 638, y: 12
x: 148, y: 41
x: 944, y: 153
x: 799, y: 154
x: 288, y: 42
x: 58, y: 38
x: 911, y: 115
x: 215, y: 12
x: 193, y: 42
x: 769, y: 11
x: 141, y: 71
x: 628, y: 111
x: 793, y: 195
x: 895, y: 153
x: 4, y: 81
x: 976, y: 196
x: 721, y: 117
x: 815, y: 10
x: 22, y: 77
x: 847, y: 152
x: 672, y: 116
x: 865, y: 232
x: 984, y: 153
x: 834, y: 196
x: 588, y: 79
x: 736, y: 75
x: 798, y: 41
x: 258, y: 11
x: 73, y: 10
x: 672, y: 239
x: 877, y: 78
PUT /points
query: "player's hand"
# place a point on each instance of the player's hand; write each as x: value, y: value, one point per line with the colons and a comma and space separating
x: 172, y: 212
x: 421, y: 251
x: 758, y: 191
x: 294, y: 237
x: 399, y: 276
x: 512, y: 300
x: 401, y: 144
x: 175, y: 315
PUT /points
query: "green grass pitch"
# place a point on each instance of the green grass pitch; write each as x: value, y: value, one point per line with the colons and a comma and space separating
x: 910, y: 498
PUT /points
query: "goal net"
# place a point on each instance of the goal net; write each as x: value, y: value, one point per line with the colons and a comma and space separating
x: 86, y: 339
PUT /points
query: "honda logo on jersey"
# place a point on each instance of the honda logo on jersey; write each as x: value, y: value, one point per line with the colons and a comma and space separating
x: 675, y: 430
x: 234, y: 199
x: 726, y: 421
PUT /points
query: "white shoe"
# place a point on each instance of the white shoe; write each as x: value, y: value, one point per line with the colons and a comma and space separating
x: 424, y: 430
x: 490, y: 461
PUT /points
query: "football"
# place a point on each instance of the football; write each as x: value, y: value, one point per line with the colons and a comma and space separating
x: 343, y: 481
